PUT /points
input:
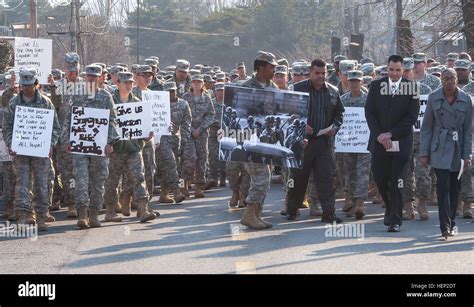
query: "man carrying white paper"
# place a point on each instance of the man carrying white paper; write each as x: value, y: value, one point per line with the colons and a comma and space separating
x: 24, y: 165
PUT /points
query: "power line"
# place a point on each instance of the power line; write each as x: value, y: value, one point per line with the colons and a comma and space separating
x: 12, y: 9
x: 182, y: 32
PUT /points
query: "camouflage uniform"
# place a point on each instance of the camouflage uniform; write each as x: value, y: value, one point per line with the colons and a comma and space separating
x: 216, y: 167
x: 168, y: 151
x: 90, y: 172
x: 196, y: 151
x: 259, y: 173
x: 357, y: 165
x: 25, y: 166
x: 126, y: 160
x: 334, y: 78
x: 432, y: 81
x: 469, y: 88
x: 9, y: 178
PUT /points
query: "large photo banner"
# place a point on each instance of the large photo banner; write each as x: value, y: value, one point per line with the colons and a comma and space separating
x: 353, y: 137
x: 134, y: 120
x: 263, y: 126
x: 419, y: 122
x: 89, y: 131
x: 32, y: 131
x: 36, y: 53
x: 160, y: 112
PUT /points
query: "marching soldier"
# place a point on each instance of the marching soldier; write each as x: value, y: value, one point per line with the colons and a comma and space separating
x: 154, y: 63
x: 281, y: 77
x: 168, y: 150
x: 420, y: 72
x: 182, y: 78
x: 334, y: 78
x: 451, y: 58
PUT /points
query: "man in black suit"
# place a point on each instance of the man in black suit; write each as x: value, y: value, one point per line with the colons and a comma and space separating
x: 391, y: 111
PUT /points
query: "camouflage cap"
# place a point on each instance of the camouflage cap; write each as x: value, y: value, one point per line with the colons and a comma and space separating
x: 465, y: 56
x: 384, y: 69
x: 154, y: 57
x: 144, y: 69
x: 281, y: 69
x: 471, y: 67
x: 133, y: 68
x: 367, y: 68
x: 419, y: 57
x: 209, y: 79
x: 198, y: 66
x: 297, y: 70
x: 338, y: 58
x: 114, y: 70
x: 330, y: 67
x: 434, y: 70
x: 462, y: 64
x: 306, y: 69
x: 57, y: 73
x: 71, y: 58
x: 220, y: 76
x: 197, y: 78
x: 283, y: 62
x: 182, y: 65
x: 193, y: 72
x: 206, y: 69
x: 267, y: 57
x: 122, y: 65
x: 435, y: 63
x: 216, y: 69
x: 366, y: 60
x: 355, y: 75
x: 103, y: 65
x: 169, y: 74
x: 367, y: 80
x: 219, y: 86
x: 151, y: 62
x: 170, y: 86
x: 240, y: 65
x: 453, y: 56
x: 171, y: 68
x: 94, y: 70
x: 125, y: 76
x: 28, y: 76
x: 408, y: 63
x: 345, y: 66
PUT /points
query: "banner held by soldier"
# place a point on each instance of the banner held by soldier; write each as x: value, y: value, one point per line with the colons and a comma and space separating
x: 134, y: 120
x: 32, y: 131
x: 353, y: 137
x: 37, y: 53
x: 161, y: 114
x: 89, y: 131
x: 263, y: 126
x: 423, y: 102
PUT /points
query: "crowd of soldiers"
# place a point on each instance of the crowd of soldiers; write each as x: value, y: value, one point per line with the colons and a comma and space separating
x: 128, y: 176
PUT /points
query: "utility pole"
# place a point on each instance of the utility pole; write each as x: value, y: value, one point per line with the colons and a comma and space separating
x: 138, y: 31
x: 398, y: 22
x: 33, y: 19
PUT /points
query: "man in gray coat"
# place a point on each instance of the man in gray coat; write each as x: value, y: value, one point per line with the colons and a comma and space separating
x: 446, y: 144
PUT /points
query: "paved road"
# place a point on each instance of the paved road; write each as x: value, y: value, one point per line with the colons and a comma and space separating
x: 204, y: 236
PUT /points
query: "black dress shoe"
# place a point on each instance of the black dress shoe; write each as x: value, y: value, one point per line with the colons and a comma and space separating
x: 290, y: 217
x: 331, y: 219
x: 394, y: 228
x: 284, y: 212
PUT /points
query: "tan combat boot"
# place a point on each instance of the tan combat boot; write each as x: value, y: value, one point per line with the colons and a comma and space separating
x: 71, y: 212
x: 198, y: 193
x: 305, y: 203
x: 164, y: 199
x: 466, y: 210
x: 41, y: 221
x: 178, y: 197
x: 144, y: 213
x: 359, y: 209
x: 110, y: 215
x: 49, y: 218
x: 422, y: 211
x: 408, y: 212
x: 30, y: 218
x: 314, y: 208
x: 184, y: 190
x: 234, y: 200
x: 348, y: 204
x: 8, y: 209
x: 459, y: 208
x: 82, y: 217
x: 249, y: 218
x: 258, y: 215
x: 125, y: 203
x: 210, y: 184
x: 118, y: 207
x: 94, y: 218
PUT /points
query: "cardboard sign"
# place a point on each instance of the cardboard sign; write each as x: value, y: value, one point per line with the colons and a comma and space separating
x: 36, y: 53
x: 353, y: 137
x: 32, y: 131
x: 161, y: 114
x: 89, y: 131
x: 134, y: 120
x: 419, y: 122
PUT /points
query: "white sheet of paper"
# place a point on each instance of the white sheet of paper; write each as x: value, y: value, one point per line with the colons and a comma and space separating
x: 395, y: 147
x: 325, y: 130
x: 461, y: 170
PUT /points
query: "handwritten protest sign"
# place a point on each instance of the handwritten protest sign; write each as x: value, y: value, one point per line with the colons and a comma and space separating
x: 161, y: 114
x: 89, y: 131
x: 4, y: 155
x: 353, y: 137
x: 419, y: 122
x: 36, y: 53
x: 32, y: 130
x: 134, y: 120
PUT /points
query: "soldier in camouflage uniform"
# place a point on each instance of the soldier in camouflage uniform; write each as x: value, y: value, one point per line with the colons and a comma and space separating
x: 126, y: 159
x: 216, y: 167
x: 260, y: 175
x: 420, y: 72
x: 62, y: 101
x: 90, y: 172
x: 451, y: 58
x: 196, y: 151
x: 154, y: 63
x: 167, y: 151
x: 182, y: 78
x: 27, y: 167
x: 357, y: 165
x: 281, y: 77
x: 334, y: 77
x: 416, y: 174
x: 9, y: 178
